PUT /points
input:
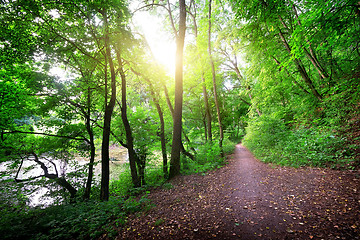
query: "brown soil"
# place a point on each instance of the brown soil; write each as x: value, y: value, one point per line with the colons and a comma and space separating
x: 248, y: 199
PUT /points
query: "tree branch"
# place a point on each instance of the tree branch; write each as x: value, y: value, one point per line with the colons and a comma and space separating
x: 28, y: 179
x: 168, y: 9
x: 46, y: 134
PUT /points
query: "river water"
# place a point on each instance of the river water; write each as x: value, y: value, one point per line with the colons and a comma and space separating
x: 38, y: 194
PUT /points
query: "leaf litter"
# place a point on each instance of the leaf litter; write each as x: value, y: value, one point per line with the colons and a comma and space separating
x: 248, y: 199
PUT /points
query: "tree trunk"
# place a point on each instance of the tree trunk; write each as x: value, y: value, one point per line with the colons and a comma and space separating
x: 214, y: 85
x: 205, y: 129
x: 65, y: 184
x: 312, y: 56
x: 162, y: 128
x: 161, y: 115
x: 163, y: 142
x: 182, y: 148
x: 176, y: 143
x: 161, y: 134
x: 207, y: 124
x: 105, y: 157
x: 92, y: 148
x: 133, y: 158
x: 207, y: 111
x: 294, y: 80
x: 301, y: 69
x: 141, y: 166
x: 168, y: 100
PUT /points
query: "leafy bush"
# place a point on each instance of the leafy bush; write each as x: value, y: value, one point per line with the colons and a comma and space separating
x: 153, y: 177
x: 228, y: 146
x: 208, y: 157
x: 85, y: 220
x: 272, y: 141
x: 121, y: 186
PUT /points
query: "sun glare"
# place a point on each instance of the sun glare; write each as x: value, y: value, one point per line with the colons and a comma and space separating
x: 161, y: 42
x: 62, y: 75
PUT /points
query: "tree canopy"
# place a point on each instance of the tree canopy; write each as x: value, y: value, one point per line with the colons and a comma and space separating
x: 280, y: 76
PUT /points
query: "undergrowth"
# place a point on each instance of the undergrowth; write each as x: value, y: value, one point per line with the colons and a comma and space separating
x: 89, y: 219
x: 208, y: 157
x: 83, y: 220
x: 271, y: 140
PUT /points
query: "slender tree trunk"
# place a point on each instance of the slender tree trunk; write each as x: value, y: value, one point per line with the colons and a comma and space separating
x: 215, y: 85
x: 301, y: 69
x: 182, y: 148
x: 176, y: 143
x: 207, y: 124
x: 105, y: 157
x: 92, y: 148
x: 168, y: 102
x: 162, y: 128
x: 163, y: 140
x: 205, y: 130
x: 294, y: 80
x: 237, y: 71
x: 65, y: 184
x: 91, y: 169
x: 161, y: 115
x: 207, y: 111
x: 311, y: 56
x: 141, y: 167
x: 133, y: 158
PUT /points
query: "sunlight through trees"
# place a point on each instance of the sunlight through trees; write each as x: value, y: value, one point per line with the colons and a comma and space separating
x: 175, y: 85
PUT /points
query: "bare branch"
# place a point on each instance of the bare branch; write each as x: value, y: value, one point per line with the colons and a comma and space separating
x: 28, y: 179
x: 46, y: 134
x: 18, y: 171
x: 52, y: 163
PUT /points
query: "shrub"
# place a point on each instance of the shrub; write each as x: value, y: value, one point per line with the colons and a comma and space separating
x: 272, y: 141
x: 208, y: 157
x: 84, y: 220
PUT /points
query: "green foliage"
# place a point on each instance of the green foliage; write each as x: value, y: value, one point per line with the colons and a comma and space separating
x: 84, y: 220
x: 341, y: 104
x: 303, y: 70
x: 16, y: 104
x: 208, y: 157
x: 272, y: 141
x: 153, y: 172
x: 122, y: 182
x: 229, y: 146
x: 208, y: 153
x: 121, y: 185
x: 295, y: 128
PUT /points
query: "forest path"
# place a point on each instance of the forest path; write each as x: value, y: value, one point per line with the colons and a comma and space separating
x: 248, y: 199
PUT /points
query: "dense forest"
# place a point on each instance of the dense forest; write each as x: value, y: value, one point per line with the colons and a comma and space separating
x: 280, y: 76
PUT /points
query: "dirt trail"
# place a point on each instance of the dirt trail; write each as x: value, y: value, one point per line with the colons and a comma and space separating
x: 248, y: 199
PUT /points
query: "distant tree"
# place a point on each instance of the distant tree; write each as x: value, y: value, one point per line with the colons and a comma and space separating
x: 217, y: 104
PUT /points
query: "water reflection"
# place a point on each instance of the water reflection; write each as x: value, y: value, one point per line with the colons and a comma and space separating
x: 38, y: 195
